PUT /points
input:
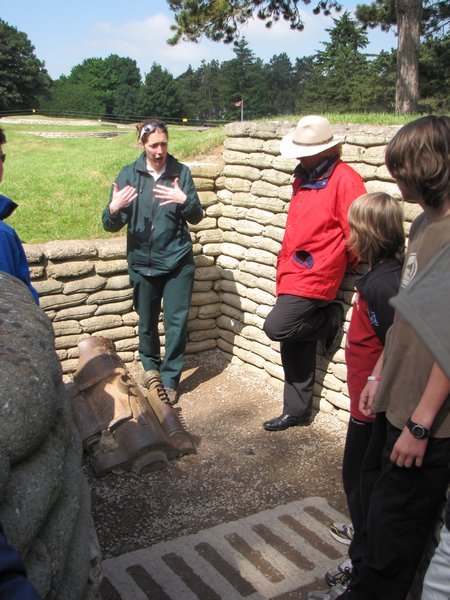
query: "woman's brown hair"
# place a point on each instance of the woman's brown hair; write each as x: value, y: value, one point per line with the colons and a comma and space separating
x: 148, y: 127
x: 376, y: 228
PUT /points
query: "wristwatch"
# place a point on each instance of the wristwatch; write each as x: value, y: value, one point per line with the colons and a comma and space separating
x: 419, y: 431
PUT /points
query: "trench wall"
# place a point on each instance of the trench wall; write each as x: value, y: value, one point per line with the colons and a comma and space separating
x: 84, y: 287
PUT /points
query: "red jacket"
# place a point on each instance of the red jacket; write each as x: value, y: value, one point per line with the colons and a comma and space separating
x: 372, y: 315
x: 313, y: 256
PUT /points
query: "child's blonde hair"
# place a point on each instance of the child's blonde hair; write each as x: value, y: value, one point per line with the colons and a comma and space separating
x: 376, y: 228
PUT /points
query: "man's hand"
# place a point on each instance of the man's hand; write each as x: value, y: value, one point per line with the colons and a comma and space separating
x: 408, y: 450
x: 170, y: 194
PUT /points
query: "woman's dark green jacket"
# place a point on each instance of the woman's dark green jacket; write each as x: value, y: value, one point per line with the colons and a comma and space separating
x: 158, y: 237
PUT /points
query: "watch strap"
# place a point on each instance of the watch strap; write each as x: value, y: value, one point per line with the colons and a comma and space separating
x: 418, y: 431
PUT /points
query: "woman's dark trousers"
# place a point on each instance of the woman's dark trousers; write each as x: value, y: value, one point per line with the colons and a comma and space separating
x: 173, y: 291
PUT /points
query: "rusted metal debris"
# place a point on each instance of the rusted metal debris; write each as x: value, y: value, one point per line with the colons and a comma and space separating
x: 122, y: 426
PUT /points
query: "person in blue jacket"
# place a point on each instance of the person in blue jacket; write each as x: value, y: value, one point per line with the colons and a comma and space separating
x: 12, y: 255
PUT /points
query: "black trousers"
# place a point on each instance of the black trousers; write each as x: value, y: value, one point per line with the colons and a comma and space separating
x: 356, y: 444
x: 298, y: 324
x: 401, y: 506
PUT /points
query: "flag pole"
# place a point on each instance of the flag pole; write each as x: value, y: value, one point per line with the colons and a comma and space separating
x: 242, y: 109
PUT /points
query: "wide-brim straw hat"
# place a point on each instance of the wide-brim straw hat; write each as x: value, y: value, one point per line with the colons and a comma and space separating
x: 311, y: 136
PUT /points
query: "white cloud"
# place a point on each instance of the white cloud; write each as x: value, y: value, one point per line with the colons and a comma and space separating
x: 146, y: 42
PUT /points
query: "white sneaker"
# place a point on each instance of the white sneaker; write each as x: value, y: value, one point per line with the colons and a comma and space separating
x: 342, y: 532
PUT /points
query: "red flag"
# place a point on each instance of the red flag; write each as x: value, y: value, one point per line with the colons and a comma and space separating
x: 238, y: 103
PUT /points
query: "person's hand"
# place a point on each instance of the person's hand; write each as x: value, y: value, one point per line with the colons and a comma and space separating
x: 367, y: 398
x: 170, y: 194
x: 408, y: 450
x: 121, y: 198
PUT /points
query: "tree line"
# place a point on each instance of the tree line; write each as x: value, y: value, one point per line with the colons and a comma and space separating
x: 339, y: 78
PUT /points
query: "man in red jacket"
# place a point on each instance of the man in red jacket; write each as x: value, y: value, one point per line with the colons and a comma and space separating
x: 312, y: 262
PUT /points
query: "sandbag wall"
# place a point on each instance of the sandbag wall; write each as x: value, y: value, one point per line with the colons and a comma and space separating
x: 44, y: 497
x: 84, y: 286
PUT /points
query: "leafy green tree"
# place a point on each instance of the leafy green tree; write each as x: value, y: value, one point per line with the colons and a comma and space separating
x: 158, y: 96
x: 383, y: 14
x: 23, y: 77
x: 303, y: 71
x: 378, y: 85
x: 71, y: 99
x: 111, y: 80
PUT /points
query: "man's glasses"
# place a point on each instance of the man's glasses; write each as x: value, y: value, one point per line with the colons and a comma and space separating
x: 150, y: 128
x: 3, y: 157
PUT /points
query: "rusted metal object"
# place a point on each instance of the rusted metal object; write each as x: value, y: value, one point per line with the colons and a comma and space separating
x: 121, y: 427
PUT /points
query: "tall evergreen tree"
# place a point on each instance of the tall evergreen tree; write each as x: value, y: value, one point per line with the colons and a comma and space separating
x: 209, y: 106
x: 336, y: 80
x: 188, y: 90
x: 243, y: 79
x: 303, y: 71
x: 221, y: 20
x: 280, y: 84
x: 434, y: 69
x: 158, y: 96
x: 412, y: 19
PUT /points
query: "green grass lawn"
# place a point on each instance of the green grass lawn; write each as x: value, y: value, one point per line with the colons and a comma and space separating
x: 62, y: 184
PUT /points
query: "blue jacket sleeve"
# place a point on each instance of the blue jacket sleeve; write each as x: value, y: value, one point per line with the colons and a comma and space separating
x: 14, y: 584
x: 13, y: 259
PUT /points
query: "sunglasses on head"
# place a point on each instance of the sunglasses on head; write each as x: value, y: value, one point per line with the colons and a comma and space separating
x: 3, y: 157
x: 150, y: 128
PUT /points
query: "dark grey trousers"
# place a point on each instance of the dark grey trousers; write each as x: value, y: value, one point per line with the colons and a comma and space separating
x: 298, y: 324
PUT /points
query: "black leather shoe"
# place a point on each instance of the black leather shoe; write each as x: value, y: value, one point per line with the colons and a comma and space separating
x: 285, y: 421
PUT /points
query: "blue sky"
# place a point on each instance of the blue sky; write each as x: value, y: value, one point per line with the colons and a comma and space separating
x: 66, y: 33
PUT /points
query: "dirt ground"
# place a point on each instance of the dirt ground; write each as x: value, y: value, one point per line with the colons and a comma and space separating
x: 238, y: 468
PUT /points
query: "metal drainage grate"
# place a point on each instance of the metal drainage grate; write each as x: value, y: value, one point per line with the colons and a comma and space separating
x: 262, y: 556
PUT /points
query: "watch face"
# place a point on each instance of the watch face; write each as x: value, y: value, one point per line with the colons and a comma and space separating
x: 418, y: 431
